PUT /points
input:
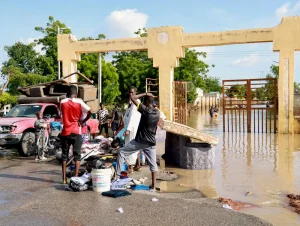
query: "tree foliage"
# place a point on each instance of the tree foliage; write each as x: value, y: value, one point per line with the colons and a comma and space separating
x: 25, y: 58
x: 7, y: 98
x: 19, y: 79
x: 49, y: 40
x: 110, y: 79
x: 134, y: 67
x: 238, y: 91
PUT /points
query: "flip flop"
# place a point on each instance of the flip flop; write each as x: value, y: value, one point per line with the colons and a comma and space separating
x: 138, y: 169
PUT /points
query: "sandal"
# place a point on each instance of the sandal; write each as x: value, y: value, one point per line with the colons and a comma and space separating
x: 138, y: 169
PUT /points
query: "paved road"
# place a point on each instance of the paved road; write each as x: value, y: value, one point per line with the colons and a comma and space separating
x: 30, y: 194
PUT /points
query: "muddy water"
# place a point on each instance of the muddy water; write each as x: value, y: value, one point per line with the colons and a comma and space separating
x: 267, y: 165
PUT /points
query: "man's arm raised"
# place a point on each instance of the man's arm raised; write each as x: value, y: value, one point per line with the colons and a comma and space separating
x: 135, y: 98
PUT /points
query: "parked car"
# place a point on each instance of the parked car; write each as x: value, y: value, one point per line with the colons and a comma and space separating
x: 17, y: 127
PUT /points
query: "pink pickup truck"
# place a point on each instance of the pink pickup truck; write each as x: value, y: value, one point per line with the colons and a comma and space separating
x: 17, y: 127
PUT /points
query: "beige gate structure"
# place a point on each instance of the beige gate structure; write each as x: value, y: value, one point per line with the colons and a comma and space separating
x: 165, y: 45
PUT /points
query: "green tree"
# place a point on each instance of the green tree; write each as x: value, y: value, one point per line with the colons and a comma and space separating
x: 7, y: 98
x: 19, y: 79
x: 110, y: 79
x: 134, y: 67
x: 212, y: 84
x: 26, y: 59
x: 49, y: 41
x: 238, y: 91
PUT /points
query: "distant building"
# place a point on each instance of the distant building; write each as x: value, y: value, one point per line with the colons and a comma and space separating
x: 199, y: 92
x: 207, y: 99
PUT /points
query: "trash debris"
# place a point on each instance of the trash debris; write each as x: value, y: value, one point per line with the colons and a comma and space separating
x: 294, y: 202
x: 234, y: 205
x: 154, y: 200
x: 226, y: 206
x: 166, y: 176
x: 249, y: 193
x: 136, y: 182
x: 140, y: 187
x: 142, y: 180
x: 120, y: 210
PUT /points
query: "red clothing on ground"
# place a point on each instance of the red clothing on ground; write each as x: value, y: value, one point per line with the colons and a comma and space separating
x: 72, y: 110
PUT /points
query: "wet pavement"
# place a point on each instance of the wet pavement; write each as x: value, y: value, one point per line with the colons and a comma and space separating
x: 30, y: 194
x: 266, y: 165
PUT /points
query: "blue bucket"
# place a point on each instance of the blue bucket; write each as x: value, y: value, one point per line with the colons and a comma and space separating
x: 125, y: 166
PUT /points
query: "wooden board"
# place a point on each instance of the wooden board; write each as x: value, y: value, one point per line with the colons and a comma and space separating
x: 187, y: 131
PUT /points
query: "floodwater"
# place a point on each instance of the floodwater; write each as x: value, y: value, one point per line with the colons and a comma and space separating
x: 265, y: 164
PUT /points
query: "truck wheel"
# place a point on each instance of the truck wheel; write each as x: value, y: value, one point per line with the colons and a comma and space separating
x: 27, y: 144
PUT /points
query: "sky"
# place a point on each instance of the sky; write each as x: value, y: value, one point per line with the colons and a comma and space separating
x: 120, y: 18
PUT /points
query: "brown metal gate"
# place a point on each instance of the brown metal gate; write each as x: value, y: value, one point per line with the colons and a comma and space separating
x: 152, y: 86
x: 180, y: 102
x: 250, y: 105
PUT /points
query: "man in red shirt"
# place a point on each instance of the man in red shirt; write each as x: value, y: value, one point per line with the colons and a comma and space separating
x: 72, y: 110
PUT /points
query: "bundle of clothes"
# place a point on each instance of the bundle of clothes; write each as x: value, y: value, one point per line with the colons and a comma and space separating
x: 84, y: 180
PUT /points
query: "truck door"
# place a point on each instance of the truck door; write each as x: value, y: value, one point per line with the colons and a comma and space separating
x: 53, y: 112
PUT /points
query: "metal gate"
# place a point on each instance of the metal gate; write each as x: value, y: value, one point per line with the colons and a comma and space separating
x: 152, y: 87
x: 250, y: 105
x: 180, y: 102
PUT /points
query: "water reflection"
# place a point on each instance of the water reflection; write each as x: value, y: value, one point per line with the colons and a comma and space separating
x: 266, y: 164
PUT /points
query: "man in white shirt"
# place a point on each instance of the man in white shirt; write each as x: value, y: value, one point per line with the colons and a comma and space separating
x: 131, y: 123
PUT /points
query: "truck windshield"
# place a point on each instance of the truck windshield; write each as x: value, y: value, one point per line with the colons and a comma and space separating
x: 27, y: 111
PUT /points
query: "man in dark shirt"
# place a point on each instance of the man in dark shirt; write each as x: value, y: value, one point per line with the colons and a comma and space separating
x: 145, y: 137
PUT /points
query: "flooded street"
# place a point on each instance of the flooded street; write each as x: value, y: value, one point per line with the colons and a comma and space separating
x: 264, y: 164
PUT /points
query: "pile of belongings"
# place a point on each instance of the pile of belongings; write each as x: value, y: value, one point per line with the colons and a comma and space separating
x: 82, y: 183
x: 98, y: 162
x: 98, y: 146
x: 119, y: 186
x: 125, y: 182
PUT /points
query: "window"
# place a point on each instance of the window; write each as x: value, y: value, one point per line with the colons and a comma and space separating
x: 26, y: 111
x: 51, y: 110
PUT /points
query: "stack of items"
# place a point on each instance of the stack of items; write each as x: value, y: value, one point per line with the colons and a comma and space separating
x: 55, y: 91
x: 96, y: 169
x: 82, y: 183
x: 99, y: 146
x: 118, y: 187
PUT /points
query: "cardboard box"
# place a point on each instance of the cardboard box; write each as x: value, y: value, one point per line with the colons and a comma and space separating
x: 37, y: 91
x: 87, y: 92
x: 94, y: 105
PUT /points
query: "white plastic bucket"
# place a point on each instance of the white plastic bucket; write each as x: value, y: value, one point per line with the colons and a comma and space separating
x: 101, y: 179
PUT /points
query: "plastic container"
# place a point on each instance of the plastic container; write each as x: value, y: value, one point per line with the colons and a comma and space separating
x: 143, y: 159
x: 101, y: 179
x: 125, y: 166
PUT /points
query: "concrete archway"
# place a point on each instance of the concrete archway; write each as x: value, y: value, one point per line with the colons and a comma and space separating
x: 165, y: 45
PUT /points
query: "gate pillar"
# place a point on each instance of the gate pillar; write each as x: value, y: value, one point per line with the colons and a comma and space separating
x: 286, y: 92
x: 166, y: 77
x: 165, y: 52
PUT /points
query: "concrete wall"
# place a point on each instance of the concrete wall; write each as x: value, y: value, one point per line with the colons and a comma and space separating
x: 207, y: 100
